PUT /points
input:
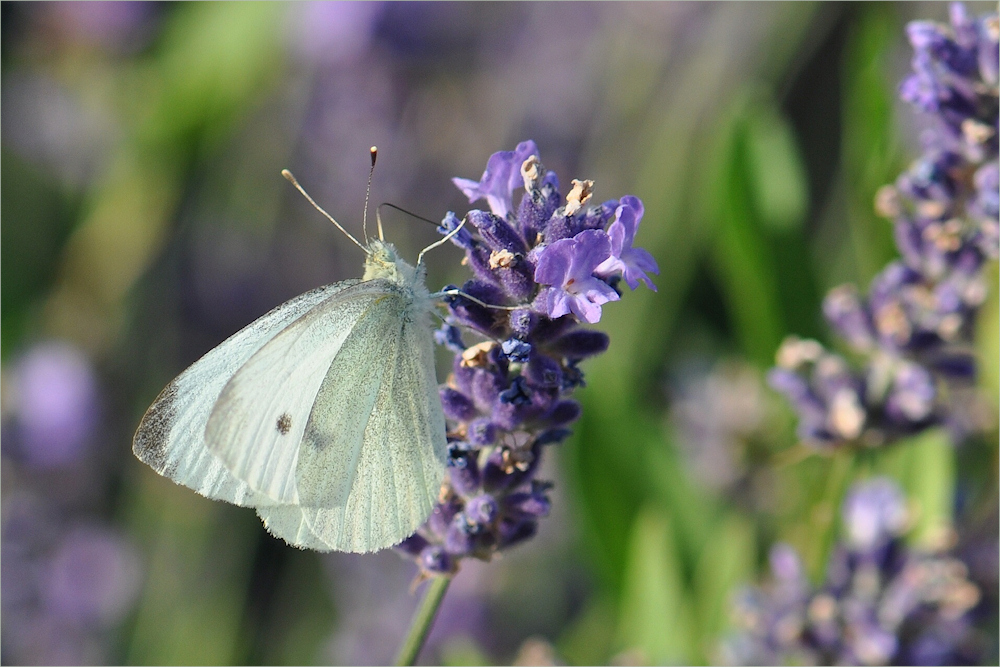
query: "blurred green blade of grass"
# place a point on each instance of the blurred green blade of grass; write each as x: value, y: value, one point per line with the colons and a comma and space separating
x: 741, y: 253
x: 780, y: 190
x: 988, y: 339
x: 870, y: 152
x: 656, y: 617
x: 728, y: 560
x: 929, y: 483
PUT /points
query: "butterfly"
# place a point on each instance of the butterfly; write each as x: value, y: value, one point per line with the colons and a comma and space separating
x: 323, y: 415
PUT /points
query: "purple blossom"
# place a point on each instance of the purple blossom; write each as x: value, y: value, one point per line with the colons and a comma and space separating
x: 93, y: 578
x: 501, y: 178
x: 507, y: 398
x: 631, y: 263
x: 568, y: 266
x: 881, y: 602
x: 915, y: 324
x: 873, y: 513
x: 55, y: 404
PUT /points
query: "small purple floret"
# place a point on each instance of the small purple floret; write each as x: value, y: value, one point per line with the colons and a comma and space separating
x: 567, y: 266
x: 631, y: 263
x: 501, y: 178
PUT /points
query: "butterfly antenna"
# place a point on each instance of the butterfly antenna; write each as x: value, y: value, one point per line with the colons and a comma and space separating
x: 291, y: 179
x: 440, y: 241
x: 368, y: 191
x: 409, y: 213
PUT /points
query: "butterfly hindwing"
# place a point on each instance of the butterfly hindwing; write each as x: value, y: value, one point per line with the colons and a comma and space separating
x: 171, y: 435
x: 289, y: 523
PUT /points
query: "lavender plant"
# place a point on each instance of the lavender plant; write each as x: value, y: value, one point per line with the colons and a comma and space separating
x: 914, y: 328
x: 540, y: 270
x: 881, y: 602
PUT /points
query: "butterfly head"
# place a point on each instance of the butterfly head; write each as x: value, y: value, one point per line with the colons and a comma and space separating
x: 384, y: 262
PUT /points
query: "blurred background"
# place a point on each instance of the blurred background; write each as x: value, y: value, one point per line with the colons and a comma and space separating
x: 145, y: 220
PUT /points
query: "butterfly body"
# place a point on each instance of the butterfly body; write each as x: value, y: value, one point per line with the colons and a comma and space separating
x: 323, y: 414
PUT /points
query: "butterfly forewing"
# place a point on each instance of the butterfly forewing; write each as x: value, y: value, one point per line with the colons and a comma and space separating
x: 257, y: 425
x: 171, y: 435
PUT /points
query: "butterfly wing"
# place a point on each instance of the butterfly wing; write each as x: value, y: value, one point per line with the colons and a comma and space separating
x: 290, y: 524
x: 368, y: 484
x: 258, y: 423
x: 171, y: 435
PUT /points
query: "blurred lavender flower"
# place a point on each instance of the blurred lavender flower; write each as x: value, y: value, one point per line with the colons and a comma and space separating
x: 914, y: 326
x: 332, y: 32
x: 93, y: 578
x: 54, y: 401
x: 506, y: 398
x: 65, y: 588
x: 725, y: 428
x: 881, y: 602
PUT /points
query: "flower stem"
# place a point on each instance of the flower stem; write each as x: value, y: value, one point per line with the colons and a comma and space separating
x: 423, y: 619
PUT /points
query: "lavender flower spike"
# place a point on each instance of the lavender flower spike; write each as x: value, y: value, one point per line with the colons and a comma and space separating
x: 568, y: 266
x: 631, y: 263
x: 501, y: 178
x: 507, y: 398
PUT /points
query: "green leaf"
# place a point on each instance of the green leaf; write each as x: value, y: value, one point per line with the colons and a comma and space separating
x: 589, y: 638
x: 742, y: 255
x: 988, y: 340
x: 929, y: 482
x: 728, y: 560
x: 655, y: 615
x: 777, y: 175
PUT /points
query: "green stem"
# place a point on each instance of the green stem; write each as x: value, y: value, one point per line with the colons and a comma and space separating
x: 423, y: 619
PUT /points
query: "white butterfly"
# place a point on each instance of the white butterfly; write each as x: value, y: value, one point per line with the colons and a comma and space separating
x: 323, y: 415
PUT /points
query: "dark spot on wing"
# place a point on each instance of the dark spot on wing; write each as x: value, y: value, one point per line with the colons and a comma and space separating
x: 150, y: 443
x: 284, y: 424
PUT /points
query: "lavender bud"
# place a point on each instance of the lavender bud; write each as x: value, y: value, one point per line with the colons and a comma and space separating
x: 564, y: 412
x: 413, y: 544
x: 463, y: 470
x: 482, y: 432
x: 497, y: 233
x: 457, y: 406
x: 437, y: 560
x: 482, y: 509
x: 581, y: 344
x: 543, y: 371
x: 516, y: 350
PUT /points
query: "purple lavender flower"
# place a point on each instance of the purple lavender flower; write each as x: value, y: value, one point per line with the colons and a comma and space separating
x: 568, y: 267
x: 881, y: 602
x: 501, y: 178
x: 55, y: 404
x: 93, y: 578
x: 506, y: 399
x: 915, y: 323
x: 631, y: 263
x: 332, y: 32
